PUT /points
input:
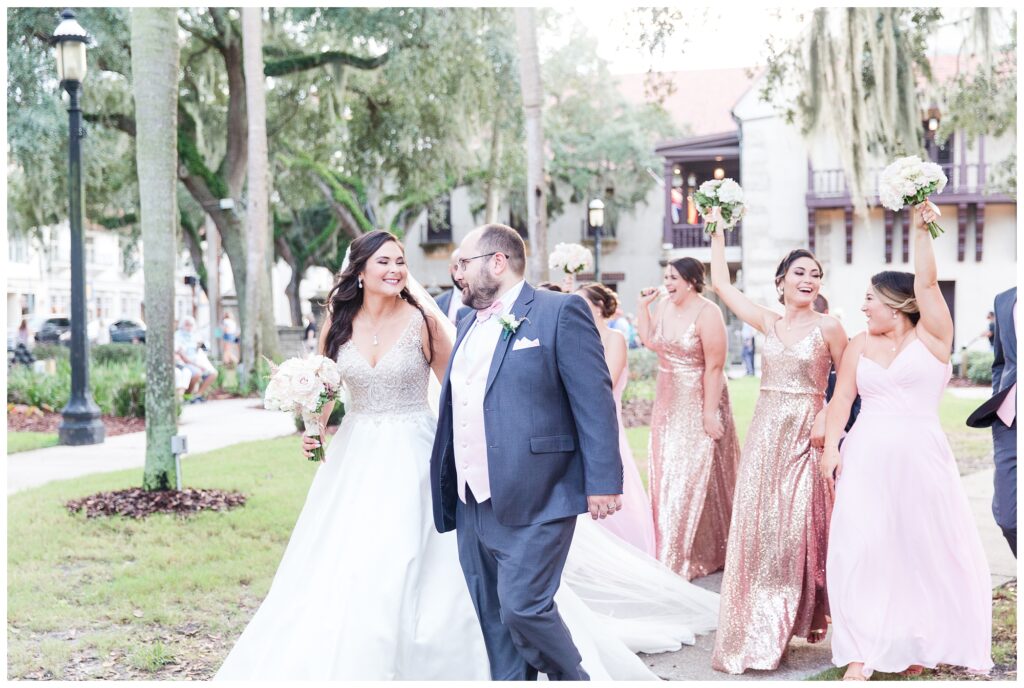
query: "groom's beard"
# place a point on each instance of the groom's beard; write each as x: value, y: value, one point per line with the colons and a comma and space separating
x: 481, y: 295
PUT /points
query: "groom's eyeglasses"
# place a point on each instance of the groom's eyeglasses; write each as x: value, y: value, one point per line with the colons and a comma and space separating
x: 464, y: 262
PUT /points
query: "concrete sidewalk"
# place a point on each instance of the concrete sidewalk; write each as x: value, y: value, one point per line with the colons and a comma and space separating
x: 208, y: 426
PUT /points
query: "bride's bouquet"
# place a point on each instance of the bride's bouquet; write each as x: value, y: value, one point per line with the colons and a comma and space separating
x: 305, y: 385
x: 909, y: 181
x: 719, y: 201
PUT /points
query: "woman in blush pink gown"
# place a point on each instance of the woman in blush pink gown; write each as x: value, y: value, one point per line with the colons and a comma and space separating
x: 774, y: 583
x: 908, y: 582
x: 634, y: 523
x: 694, y: 449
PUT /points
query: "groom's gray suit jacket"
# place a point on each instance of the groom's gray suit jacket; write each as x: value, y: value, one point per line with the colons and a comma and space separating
x: 549, y: 418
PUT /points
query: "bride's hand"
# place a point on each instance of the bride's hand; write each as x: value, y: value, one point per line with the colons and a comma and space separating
x: 311, y: 443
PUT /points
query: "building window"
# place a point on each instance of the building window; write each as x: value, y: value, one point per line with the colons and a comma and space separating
x: 60, y: 304
x: 439, y: 221
x: 90, y: 251
x: 17, y: 249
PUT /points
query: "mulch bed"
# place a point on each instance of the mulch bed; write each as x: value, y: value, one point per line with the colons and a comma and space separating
x: 31, y: 419
x: 138, y: 503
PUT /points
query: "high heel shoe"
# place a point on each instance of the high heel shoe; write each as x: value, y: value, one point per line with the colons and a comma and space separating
x: 854, y: 672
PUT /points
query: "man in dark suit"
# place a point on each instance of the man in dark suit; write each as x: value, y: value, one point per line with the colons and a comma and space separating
x: 1000, y: 412
x: 450, y: 301
x: 527, y: 439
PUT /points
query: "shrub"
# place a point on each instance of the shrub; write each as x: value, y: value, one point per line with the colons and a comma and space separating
x: 56, y: 351
x: 53, y: 391
x: 104, y: 354
x: 130, y: 399
x: 643, y: 364
x: 979, y: 367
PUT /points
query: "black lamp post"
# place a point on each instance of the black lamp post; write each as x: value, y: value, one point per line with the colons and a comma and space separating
x: 81, y: 424
x: 595, y: 218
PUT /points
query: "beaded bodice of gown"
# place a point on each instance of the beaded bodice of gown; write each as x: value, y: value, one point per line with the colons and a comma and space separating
x: 397, y: 385
x: 800, y: 368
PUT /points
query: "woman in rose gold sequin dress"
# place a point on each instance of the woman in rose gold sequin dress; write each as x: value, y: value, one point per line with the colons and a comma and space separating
x: 693, y: 453
x: 633, y: 523
x: 774, y: 582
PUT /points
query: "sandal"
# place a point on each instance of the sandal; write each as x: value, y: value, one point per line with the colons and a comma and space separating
x: 913, y: 670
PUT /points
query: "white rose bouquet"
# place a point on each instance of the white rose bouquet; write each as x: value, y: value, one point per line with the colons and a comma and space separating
x: 305, y: 385
x: 910, y: 181
x: 570, y: 258
x: 720, y: 201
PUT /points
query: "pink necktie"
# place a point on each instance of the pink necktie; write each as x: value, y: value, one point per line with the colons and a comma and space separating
x: 484, y: 314
x: 1007, y: 410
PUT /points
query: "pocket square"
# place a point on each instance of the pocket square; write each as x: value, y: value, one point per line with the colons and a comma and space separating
x: 525, y: 343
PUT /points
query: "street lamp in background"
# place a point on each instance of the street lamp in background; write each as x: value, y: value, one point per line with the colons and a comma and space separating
x: 595, y: 219
x: 81, y: 424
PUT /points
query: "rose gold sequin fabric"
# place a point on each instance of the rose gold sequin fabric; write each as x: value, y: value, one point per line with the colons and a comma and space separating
x: 774, y: 582
x: 692, y: 477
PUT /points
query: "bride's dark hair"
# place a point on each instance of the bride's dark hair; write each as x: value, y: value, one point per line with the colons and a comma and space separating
x: 346, y: 297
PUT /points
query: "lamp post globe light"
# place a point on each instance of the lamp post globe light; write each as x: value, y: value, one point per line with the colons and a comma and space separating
x: 81, y: 423
x: 595, y: 218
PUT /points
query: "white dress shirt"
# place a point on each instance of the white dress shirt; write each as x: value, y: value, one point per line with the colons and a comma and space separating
x: 468, y: 383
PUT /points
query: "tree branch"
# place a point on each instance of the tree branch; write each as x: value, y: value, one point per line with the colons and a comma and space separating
x: 301, y: 63
x: 125, y: 123
x: 210, y: 40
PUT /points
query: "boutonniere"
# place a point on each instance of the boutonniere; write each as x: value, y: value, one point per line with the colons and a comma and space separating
x: 509, y: 324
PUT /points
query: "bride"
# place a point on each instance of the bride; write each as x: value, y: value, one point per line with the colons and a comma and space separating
x: 367, y: 588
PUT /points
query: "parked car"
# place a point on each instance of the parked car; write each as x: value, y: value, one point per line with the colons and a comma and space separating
x: 52, y: 329
x: 127, y: 331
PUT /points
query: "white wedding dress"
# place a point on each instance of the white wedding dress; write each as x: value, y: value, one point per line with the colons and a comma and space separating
x: 368, y: 589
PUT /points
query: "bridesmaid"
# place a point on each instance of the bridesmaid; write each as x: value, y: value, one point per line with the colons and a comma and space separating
x: 633, y: 523
x: 774, y: 582
x: 694, y: 449
x: 907, y: 575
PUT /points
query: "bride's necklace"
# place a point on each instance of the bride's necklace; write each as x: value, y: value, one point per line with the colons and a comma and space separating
x: 378, y: 326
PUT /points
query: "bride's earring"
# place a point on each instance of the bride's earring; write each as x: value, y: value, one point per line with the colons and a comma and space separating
x: 360, y: 282
x: 894, y: 316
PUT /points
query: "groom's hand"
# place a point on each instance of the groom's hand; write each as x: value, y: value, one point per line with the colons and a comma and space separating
x: 603, y: 505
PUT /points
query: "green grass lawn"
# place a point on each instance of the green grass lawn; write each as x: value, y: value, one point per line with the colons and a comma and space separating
x: 26, y: 441
x: 157, y: 595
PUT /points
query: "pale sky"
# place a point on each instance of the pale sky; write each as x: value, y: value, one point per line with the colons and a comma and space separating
x: 734, y: 35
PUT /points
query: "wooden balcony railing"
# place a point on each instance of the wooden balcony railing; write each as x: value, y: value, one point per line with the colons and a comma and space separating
x: 693, y: 236
x: 828, y: 188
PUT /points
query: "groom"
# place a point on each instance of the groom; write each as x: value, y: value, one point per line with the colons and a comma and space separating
x: 527, y: 439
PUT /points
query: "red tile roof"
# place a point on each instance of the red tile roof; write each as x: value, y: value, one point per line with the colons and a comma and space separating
x: 702, y: 99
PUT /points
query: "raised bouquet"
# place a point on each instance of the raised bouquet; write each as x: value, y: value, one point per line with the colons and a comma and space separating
x: 305, y: 385
x: 910, y: 181
x: 719, y: 202
x: 570, y: 258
